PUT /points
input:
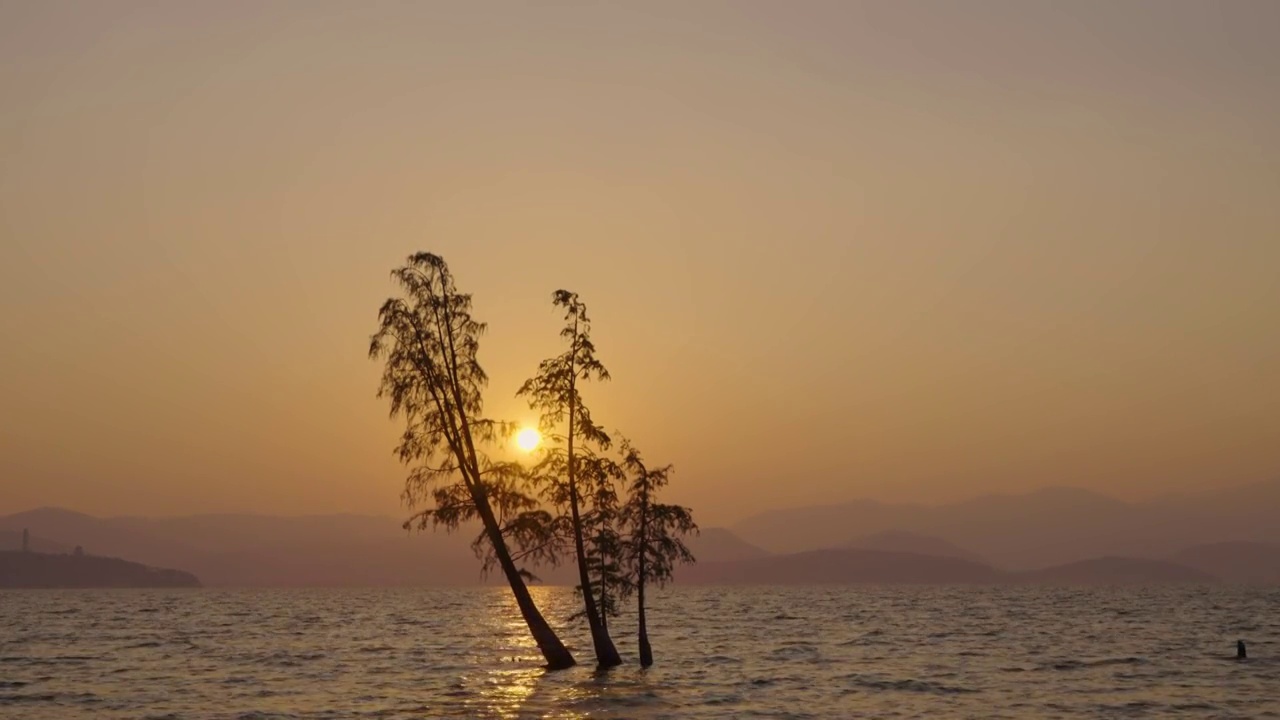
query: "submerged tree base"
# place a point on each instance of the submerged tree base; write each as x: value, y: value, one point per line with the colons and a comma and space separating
x: 553, y: 651
x: 646, y: 652
x: 607, y: 655
x: 559, y: 661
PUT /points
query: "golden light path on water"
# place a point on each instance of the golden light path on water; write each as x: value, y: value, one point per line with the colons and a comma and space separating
x: 506, y: 692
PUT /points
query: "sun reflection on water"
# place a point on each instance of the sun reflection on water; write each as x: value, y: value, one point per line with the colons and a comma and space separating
x: 503, y: 693
x: 506, y: 680
x: 511, y: 691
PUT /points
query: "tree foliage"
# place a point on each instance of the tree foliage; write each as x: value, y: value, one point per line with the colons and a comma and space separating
x: 608, y: 581
x: 654, y: 531
x: 428, y: 342
x: 569, y: 501
x: 570, y: 471
x: 653, y: 542
x: 555, y: 392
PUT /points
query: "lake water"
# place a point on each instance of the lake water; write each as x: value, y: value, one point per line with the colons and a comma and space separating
x: 829, y: 652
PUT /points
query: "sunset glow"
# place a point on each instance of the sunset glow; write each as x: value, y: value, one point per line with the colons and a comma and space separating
x: 1021, y: 244
x: 895, y: 357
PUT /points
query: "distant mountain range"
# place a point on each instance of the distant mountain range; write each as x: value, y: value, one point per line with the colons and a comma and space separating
x: 1238, y: 562
x: 12, y: 540
x: 819, y: 567
x: 47, y: 570
x: 1037, y: 529
x: 1056, y: 535
x: 1115, y: 571
x: 879, y: 567
x: 719, y: 544
x: 319, y: 550
x: 909, y: 542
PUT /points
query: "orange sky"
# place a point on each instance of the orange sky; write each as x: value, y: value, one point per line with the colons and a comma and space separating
x: 894, y: 249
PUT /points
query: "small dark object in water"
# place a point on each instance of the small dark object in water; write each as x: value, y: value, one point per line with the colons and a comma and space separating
x: 1240, y: 651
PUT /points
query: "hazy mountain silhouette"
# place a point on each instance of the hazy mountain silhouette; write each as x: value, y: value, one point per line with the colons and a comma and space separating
x: 45, y: 570
x: 1037, y: 529
x: 1032, y: 531
x: 909, y: 542
x: 100, y: 537
x: 238, y: 532
x: 318, y: 550
x: 12, y: 540
x: 841, y: 566
x: 263, y: 550
x: 1115, y: 571
x: 720, y: 544
x: 858, y: 566
x: 1237, y: 562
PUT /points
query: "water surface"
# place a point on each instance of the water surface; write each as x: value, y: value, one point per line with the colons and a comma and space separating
x: 829, y: 652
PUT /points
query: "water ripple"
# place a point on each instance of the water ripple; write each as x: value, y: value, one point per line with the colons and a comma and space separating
x: 722, y: 653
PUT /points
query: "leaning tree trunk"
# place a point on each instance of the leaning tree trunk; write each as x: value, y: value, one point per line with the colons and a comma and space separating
x: 646, y: 652
x: 553, y: 650
x: 606, y: 653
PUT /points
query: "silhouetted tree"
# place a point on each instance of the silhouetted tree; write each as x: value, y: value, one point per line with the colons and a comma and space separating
x: 554, y: 392
x: 609, y: 583
x: 652, y: 543
x: 429, y: 342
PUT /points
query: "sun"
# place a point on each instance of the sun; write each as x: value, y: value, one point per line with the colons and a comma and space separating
x: 528, y: 438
